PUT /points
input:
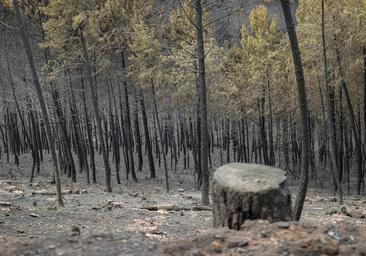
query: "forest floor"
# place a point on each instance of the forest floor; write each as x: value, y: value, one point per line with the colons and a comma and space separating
x: 94, y: 222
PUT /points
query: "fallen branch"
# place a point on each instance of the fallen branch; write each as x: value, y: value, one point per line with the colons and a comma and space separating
x: 44, y: 192
x: 175, y: 208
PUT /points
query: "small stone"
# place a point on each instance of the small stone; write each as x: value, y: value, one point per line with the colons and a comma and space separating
x: 345, y: 212
x: 180, y: 190
x: 143, y: 198
x: 117, y: 205
x: 332, y: 212
x: 72, y: 240
x: 235, y: 244
x: 1, y: 221
x: 334, y: 234
x: 219, y: 237
x: 75, y: 231
x: 283, y: 225
x: 34, y: 215
x: 18, y: 192
x: 216, y: 246
x: 5, y: 204
x: 20, y: 231
x: 264, y: 234
x: 84, y: 191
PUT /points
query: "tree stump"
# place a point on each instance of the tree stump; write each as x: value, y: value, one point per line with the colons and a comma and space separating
x: 249, y: 191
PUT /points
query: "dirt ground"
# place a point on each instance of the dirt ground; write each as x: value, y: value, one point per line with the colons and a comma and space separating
x: 94, y: 222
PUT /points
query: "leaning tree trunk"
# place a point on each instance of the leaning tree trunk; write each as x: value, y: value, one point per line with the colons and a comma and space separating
x: 25, y: 132
x: 302, y: 101
x: 40, y: 98
x: 243, y: 192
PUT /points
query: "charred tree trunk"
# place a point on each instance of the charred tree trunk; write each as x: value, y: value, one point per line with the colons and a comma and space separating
x: 37, y: 85
x: 160, y: 134
x: 330, y: 117
x: 97, y: 114
x: 302, y: 101
x: 147, y: 137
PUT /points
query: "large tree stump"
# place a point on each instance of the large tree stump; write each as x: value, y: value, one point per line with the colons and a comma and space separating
x: 249, y: 191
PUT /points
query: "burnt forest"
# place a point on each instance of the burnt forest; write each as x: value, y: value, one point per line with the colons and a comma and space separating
x: 182, y: 127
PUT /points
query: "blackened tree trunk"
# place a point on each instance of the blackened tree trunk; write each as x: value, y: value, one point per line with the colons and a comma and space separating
x: 364, y: 100
x: 355, y: 130
x: 203, y: 104
x: 37, y: 85
x: 114, y: 131
x: 25, y: 132
x: 147, y: 136
x: 330, y: 118
x: 97, y: 114
x: 160, y: 134
x: 89, y: 130
x: 129, y: 141
x: 302, y: 101
x: 137, y: 135
x: 65, y: 137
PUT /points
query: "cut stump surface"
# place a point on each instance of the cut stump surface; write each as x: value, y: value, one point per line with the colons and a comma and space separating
x: 249, y: 191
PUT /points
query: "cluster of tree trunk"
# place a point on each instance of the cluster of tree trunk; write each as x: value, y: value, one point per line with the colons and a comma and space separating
x: 127, y: 129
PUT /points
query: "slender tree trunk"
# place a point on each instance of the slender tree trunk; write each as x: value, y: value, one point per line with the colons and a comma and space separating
x: 65, y: 136
x: 330, y: 118
x: 137, y: 134
x: 356, y: 134
x: 203, y: 104
x: 25, y: 132
x: 147, y: 136
x: 128, y: 128
x: 89, y: 130
x: 302, y: 101
x: 37, y: 85
x: 97, y: 115
x: 160, y: 134
x: 364, y: 106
